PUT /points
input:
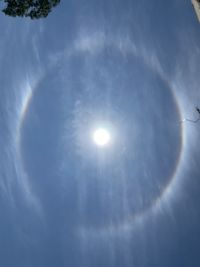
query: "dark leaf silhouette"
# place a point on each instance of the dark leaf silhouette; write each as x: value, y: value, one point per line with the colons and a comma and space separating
x: 34, y: 9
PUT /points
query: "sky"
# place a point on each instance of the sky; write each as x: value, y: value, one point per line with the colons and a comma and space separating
x: 128, y: 67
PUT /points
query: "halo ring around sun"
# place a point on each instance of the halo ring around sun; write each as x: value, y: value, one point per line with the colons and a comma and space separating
x: 101, y: 136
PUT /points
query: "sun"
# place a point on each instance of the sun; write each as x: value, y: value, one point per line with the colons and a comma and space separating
x: 101, y: 137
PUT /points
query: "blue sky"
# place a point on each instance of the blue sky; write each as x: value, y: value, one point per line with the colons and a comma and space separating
x: 131, y: 67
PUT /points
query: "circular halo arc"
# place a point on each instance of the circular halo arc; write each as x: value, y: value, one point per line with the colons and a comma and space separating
x: 129, y: 50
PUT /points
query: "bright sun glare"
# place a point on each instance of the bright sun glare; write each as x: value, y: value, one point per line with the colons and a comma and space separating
x: 101, y: 137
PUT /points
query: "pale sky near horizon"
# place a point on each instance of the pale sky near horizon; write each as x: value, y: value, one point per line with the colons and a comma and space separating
x: 130, y: 68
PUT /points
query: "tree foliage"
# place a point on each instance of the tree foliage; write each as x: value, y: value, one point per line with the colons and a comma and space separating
x: 34, y: 9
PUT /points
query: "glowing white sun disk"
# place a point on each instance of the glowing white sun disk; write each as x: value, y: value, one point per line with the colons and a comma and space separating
x: 101, y: 137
